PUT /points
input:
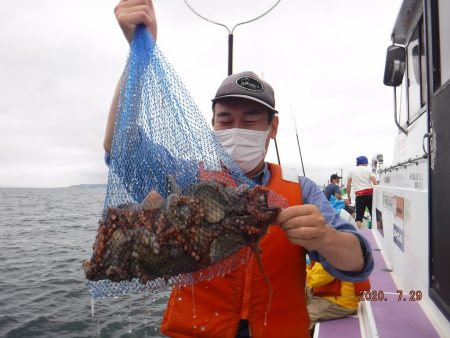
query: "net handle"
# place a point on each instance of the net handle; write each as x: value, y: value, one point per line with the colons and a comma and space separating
x: 230, y: 31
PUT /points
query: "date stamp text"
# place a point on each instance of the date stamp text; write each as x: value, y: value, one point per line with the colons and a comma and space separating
x: 380, y: 296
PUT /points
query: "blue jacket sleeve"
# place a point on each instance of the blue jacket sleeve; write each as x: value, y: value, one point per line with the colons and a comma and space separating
x: 311, y: 194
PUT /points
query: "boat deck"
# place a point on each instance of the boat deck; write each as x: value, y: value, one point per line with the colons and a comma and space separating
x: 390, y: 316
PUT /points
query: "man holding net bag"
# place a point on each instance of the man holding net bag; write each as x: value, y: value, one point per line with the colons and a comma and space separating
x: 236, y: 305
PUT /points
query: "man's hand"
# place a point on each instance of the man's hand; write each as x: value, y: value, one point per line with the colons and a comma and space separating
x: 131, y: 13
x: 304, y: 225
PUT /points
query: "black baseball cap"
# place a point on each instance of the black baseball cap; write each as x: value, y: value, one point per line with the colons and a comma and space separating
x: 249, y: 86
x: 335, y: 177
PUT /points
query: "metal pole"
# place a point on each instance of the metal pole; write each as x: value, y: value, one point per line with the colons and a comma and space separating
x: 230, y: 53
x: 395, y: 113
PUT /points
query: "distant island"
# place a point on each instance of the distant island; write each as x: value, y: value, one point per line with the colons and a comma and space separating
x: 88, y: 186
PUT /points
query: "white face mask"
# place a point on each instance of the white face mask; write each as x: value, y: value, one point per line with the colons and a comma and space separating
x: 246, y: 147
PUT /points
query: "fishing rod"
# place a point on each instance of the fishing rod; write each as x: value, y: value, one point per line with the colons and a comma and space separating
x: 298, y: 142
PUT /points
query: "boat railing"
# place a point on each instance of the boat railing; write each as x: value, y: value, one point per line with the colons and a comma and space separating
x: 405, y: 164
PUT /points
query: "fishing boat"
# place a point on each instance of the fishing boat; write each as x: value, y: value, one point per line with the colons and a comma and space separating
x: 410, y: 286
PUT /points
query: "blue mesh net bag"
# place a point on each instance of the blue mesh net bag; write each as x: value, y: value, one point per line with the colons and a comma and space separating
x: 177, y: 209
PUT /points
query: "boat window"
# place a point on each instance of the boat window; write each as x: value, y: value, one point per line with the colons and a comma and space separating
x: 444, y: 32
x: 423, y: 65
x: 414, y: 75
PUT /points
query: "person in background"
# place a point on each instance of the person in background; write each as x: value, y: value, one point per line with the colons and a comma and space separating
x: 362, y: 180
x: 333, y: 187
x: 330, y: 298
x: 239, y: 304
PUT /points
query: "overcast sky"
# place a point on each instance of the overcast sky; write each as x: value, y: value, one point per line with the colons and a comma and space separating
x: 60, y: 61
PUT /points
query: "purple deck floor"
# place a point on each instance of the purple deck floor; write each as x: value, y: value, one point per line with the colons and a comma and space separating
x: 394, y: 318
x: 347, y: 327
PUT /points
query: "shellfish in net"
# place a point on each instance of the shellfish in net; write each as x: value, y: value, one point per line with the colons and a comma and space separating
x: 184, y: 233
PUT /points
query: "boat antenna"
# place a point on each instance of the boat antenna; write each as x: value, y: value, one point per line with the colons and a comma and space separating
x: 298, y: 142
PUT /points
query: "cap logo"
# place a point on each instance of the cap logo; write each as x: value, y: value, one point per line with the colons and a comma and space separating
x: 249, y: 83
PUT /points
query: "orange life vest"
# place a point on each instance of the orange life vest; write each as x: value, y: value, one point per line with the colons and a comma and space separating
x: 214, y: 308
x: 334, y: 287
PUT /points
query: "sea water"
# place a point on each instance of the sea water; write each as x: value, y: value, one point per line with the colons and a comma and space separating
x: 45, y: 234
